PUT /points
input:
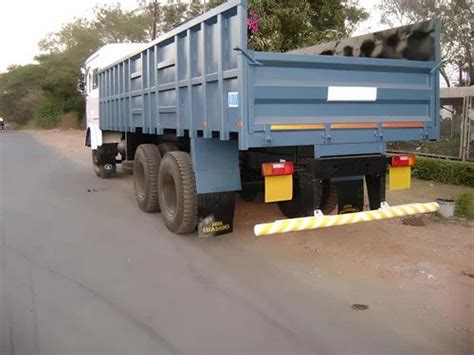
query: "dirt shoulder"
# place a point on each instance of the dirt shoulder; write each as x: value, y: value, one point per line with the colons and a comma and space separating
x: 69, y: 142
x: 426, y: 271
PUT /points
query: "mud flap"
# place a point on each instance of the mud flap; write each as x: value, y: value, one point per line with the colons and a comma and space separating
x: 375, y: 190
x: 350, y: 195
x: 216, y: 213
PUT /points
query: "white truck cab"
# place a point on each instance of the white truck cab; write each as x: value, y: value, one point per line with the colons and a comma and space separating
x: 105, y: 56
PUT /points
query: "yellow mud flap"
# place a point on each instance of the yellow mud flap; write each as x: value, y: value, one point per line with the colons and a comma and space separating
x: 321, y: 221
x: 278, y: 188
x: 399, y: 178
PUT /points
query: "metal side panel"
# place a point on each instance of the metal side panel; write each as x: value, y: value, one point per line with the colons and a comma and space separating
x: 329, y: 100
x: 188, y: 80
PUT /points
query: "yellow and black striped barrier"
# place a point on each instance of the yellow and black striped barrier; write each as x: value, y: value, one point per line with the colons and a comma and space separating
x: 322, y: 221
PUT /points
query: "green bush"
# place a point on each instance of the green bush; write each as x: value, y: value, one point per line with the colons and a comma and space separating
x: 49, y: 114
x: 465, y: 205
x: 444, y: 171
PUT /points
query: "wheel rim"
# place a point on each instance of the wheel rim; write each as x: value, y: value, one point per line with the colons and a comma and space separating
x: 169, y: 194
x: 139, y: 178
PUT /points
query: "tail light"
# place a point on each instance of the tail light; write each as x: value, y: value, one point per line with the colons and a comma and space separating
x: 280, y: 168
x: 402, y: 160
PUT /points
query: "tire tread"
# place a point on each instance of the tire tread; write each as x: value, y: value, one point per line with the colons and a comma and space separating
x: 152, y: 161
x: 189, y: 219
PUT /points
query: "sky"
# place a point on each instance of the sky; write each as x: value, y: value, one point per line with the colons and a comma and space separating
x: 23, y: 23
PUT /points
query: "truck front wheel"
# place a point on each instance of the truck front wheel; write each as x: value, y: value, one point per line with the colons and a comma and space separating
x: 177, y: 192
x: 145, y: 177
x: 103, y: 161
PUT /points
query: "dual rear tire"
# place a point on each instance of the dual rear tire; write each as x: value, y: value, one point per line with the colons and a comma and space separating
x: 177, y: 193
x: 303, y: 203
x: 145, y: 177
x: 164, y: 181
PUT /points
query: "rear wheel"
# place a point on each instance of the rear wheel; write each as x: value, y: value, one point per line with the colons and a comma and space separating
x: 329, y: 202
x: 304, y: 203
x: 103, y: 161
x: 145, y: 177
x: 248, y: 195
x: 177, y: 192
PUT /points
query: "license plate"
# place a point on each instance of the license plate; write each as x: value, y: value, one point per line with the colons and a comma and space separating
x: 399, y: 178
x: 278, y: 188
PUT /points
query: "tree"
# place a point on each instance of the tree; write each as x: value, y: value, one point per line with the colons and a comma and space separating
x: 278, y: 25
x: 173, y: 15
x: 353, y: 15
x: 50, y: 87
x: 457, y: 32
x: 197, y: 8
x: 63, y: 53
x: 162, y: 18
x: 210, y: 4
x: 80, y: 33
x: 153, y: 13
x: 115, y: 25
x: 20, y: 92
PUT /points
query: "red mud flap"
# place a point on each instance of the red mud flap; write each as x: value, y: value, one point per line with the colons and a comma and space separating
x: 321, y: 221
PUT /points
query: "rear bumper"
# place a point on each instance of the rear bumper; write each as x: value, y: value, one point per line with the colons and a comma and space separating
x: 321, y: 221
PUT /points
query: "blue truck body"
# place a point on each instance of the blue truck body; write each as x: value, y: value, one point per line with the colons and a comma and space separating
x: 201, y: 83
x: 200, y: 78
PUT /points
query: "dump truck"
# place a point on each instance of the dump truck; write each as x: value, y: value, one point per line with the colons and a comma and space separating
x: 199, y: 118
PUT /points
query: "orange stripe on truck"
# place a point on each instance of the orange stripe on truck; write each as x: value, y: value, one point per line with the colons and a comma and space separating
x: 353, y: 125
x: 412, y: 124
x: 356, y: 125
x: 295, y: 127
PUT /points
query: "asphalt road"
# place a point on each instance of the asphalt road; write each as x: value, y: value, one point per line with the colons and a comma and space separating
x: 83, y: 271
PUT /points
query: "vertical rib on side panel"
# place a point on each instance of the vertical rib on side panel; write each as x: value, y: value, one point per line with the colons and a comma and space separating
x: 243, y: 70
x: 189, y: 83
x: 176, y: 83
x: 220, y: 49
x: 123, y: 117
x: 203, y: 58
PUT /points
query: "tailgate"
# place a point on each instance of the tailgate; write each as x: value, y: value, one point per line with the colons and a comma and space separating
x: 390, y: 98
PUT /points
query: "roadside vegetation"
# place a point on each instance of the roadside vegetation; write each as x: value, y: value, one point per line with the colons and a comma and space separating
x: 444, y: 171
x: 41, y: 94
x: 452, y: 173
x: 465, y: 205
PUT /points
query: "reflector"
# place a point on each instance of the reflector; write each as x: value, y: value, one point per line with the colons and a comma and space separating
x: 280, y: 168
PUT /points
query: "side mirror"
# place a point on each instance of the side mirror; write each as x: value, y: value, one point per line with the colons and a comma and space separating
x: 81, y: 88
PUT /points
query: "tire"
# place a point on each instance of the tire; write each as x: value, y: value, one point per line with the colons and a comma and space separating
x: 167, y: 147
x: 248, y: 195
x: 145, y: 177
x: 103, y: 163
x: 304, y: 206
x: 329, y: 203
x: 177, y: 192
